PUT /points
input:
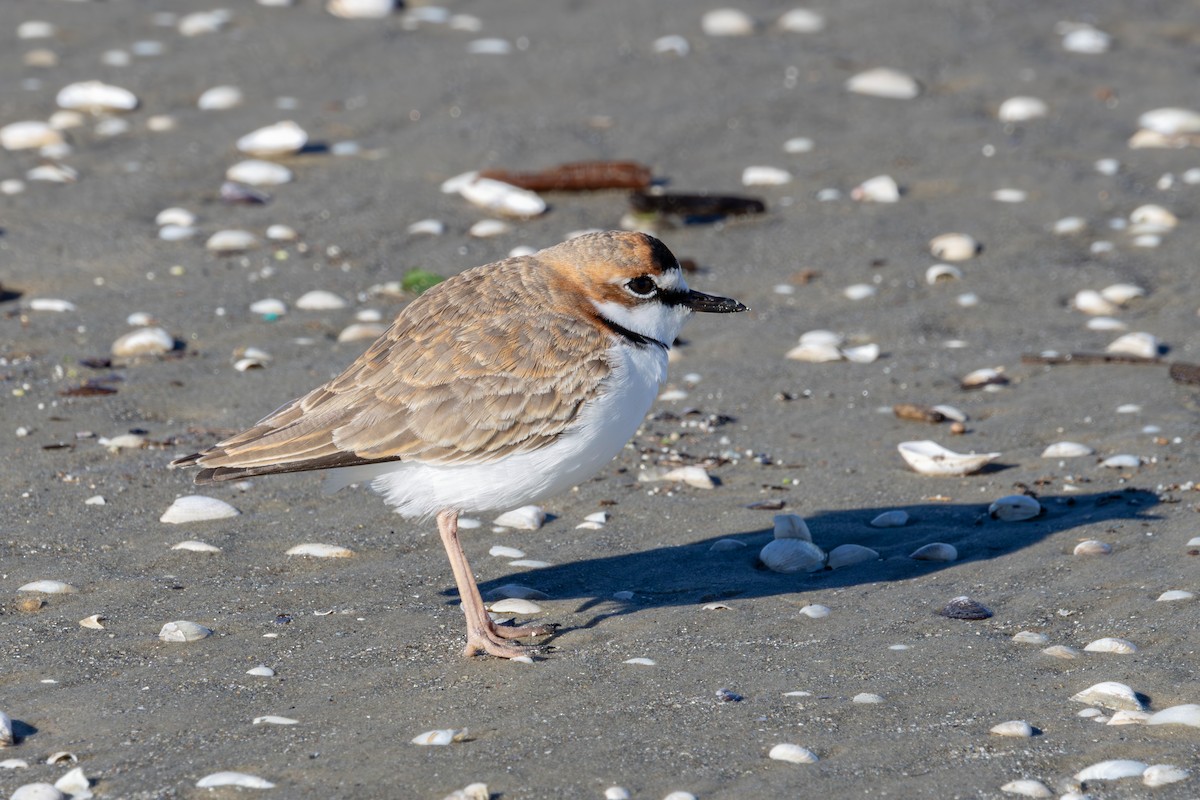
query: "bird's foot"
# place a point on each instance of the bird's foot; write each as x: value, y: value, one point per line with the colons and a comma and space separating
x: 485, y: 642
x: 523, y: 631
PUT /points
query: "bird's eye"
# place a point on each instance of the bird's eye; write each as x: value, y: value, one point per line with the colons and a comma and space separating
x: 642, y: 286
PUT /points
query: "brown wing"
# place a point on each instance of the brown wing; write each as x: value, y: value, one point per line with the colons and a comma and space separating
x: 472, y: 371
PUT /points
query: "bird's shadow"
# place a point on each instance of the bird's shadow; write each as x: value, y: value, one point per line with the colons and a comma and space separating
x: 696, y: 573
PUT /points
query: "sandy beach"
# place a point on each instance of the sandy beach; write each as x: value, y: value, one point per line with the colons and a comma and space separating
x: 855, y: 664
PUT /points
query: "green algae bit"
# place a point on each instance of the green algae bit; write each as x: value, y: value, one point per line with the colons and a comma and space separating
x: 419, y: 281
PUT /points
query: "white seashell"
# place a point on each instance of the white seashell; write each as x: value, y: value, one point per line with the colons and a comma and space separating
x: 1171, y: 121
x: 139, y: 319
x: 954, y: 246
x: 517, y: 590
x: 28, y: 135
x: 1152, y: 218
x: 37, y: 791
x: 7, y: 738
x: 176, y: 233
x: 798, y: 144
x: 1022, y: 109
x: 680, y: 796
x: 859, y: 291
x: 1127, y: 717
x: 1086, y: 39
x: 196, y: 547
x: 611, y: 793
x: 440, y: 737
x: 261, y: 671
x: 1017, y: 728
x: 281, y: 233
x: 219, y: 98
x: 241, y: 779
x: 936, y: 551
x: 515, y: 605
x: 525, y: 518
x: 862, y: 354
x: 1111, y: 770
x: 1090, y: 301
x: 1014, y: 508
x: 725, y: 545
x: 801, y: 20
x: 1175, y: 594
x: 1067, y: 450
x: 884, y: 82
x: 1111, y: 695
x: 318, y: 550
x: 816, y: 611
x: 432, y: 227
x: 51, y: 304
x: 1106, y: 324
x: 930, y: 458
x: 820, y: 336
x: 529, y: 563
x: 143, y: 342
x: 36, y: 29
x: 815, y: 353
x: 846, y: 555
x: 942, y: 272
x: 696, y: 477
x: 1141, y: 344
x: 1129, y: 408
x: 175, y: 216
x: 126, y: 441
x: 488, y: 228
x: 792, y: 753
x: 1010, y: 196
x: 727, y: 22
x: 866, y: 698
x: 1162, y: 774
x: 520, y: 251
x: 951, y: 412
x: 183, y: 631
x: 95, y: 97
x: 1069, y: 225
x: 201, y: 22
x: 11, y: 186
x: 880, y: 189
x: 75, y: 784
x: 672, y: 44
x: 1062, y: 651
x: 968, y: 300
x: 95, y: 622
x: 1187, y: 714
x: 1122, y: 461
x: 641, y: 661
x: 48, y: 587
x: 320, y: 300
x: 231, y: 241
x: 14, y: 763
x: 599, y: 517
x: 197, y: 508
x: 791, y: 526
x: 479, y: 791
x: 1122, y: 293
x: 282, y: 138
x: 792, y: 555
x: 765, y: 176
x: 52, y: 173
x: 502, y: 198
x: 1027, y: 787
x: 589, y: 526
x: 1111, y: 645
x: 1108, y: 166
x: 491, y: 46
x: 500, y: 551
x: 1146, y: 240
x: 271, y: 719
x: 890, y: 519
x: 256, y: 172
x: 269, y: 306
x: 361, y: 9
x: 1030, y: 637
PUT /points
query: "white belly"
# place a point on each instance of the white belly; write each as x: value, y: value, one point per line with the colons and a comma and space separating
x: 605, y: 424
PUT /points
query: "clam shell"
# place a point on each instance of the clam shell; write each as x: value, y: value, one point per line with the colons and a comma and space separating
x: 792, y: 555
x: 7, y: 739
x: 954, y: 246
x: 48, y: 587
x: 318, y: 550
x: 883, y: 82
x: 942, y: 272
x: 765, y: 176
x: 320, y: 300
x: 361, y: 9
x: 272, y: 719
x: 880, y: 189
x: 890, y: 519
x: 847, y: 554
x: 964, y: 607
x: 1067, y: 450
x: 95, y: 622
x: 197, y: 508
x: 37, y: 791
x: 231, y: 241
x: 1111, y: 695
x: 1122, y: 461
x: 220, y: 98
x: 280, y: 139
x: 1139, y: 343
x: 52, y: 304
x: 1016, y: 728
x: 1122, y: 293
x: 792, y: 753
x: 487, y: 228
x: 175, y: 216
x: 183, y: 631
x: 866, y: 698
x: 1175, y: 594
x: 256, y: 172
x: 936, y: 551
x: 1062, y: 651
x: 725, y: 545
x: 1014, y: 508
x: 525, y: 518
x: 1162, y: 774
x: 1111, y: 645
x: 515, y: 605
x: 29, y: 135
x: 1022, y: 109
x: 431, y: 227
x: 440, y: 737
x: 727, y: 22
x: 1171, y: 121
x: 816, y: 611
x: 143, y: 342
x: 696, y: 477
x: 503, y: 198
x: 862, y: 354
x: 1152, y: 218
x: 815, y: 353
x: 1111, y: 770
x: 1127, y: 717
x: 261, y: 671
x: 1027, y: 787
x: 95, y: 97
x: 930, y: 458
x: 1089, y: 301
x: 1091, y: 547
x: 1186, y: 714
x: 1031, y: 637
x: 500, y: 551
x: 801, y: 20
x: 242, y: 779
x: 196, y: 547
x: 516, y: 590
x: 791, y: 526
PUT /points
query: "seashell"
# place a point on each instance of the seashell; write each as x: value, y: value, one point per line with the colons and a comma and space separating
x: 1129, y: 408
x: 1022, y: 109
x: 792, y: 753
x: 1069, y: 225
x: 280, y: 139
x: 930, y: 458
x: 727, y: 22
x: 765, y: 176
x: 1017, y: 728
x: 1061, y: 651
x: 7, y: 738
x: 1111, y: 770
x: 529, y: 563
x: 1015, y: 508
x: 884, y: 82
x: 440, y: 737
x: 432, y: 227
x: 525, y: 518
x: 37, y: 791
x: 798, y: 144
x: 954, y: 246
x: 126, y: 441
x: 1110, y: 695
x: 503, y: 198
x: 815, y: 353
x: 880, y: 189
x: 1151, y: 218
x: 1122, y: 461
x: 1141, y: 344
x: 268, y: 307
x: 175, y: 216
x: 1030, y: 637
x: 491, y: 46
x: 51, y: 304
x: 672, y: 44
x: 75, y: 784
x: 48, y: 587
x: 361, y: 9
x: 143, y: 342
x: 1174, y: 594
x: 261, y: 671
x: 599, y: 517
x: 859, y: 291
x: 14, y: 763
x: 1027, y: 787
x: 197, y: 508
x: 176, y: 233
x: 242, y: 779
x: 488, y: 228
x: 1122, y: 293
x: 231, y: 241
x: 790, y: 526
x: 320, y: 300
x: 1187, y: 714
x: 1163, y: 774
x: 95, y: 97
x: 611, y: 793
x: 816, y: 611
x: 517, y: 590
x: 716, y: 607
x: 821, y: 336
x: 1111, y: 645
x: 866, y: 698
x: 219, y: 98
x: 36, y: 29
x: 12, y: 186
x: 1127, y: 717
x: 201, y: 22
x: 792, y: 555
x: 184, y: 631
x: 942, y: 272
x: 256, y: 172
x: 964, y: 607
x: 696, y: 477
x: 1091, y: 547
x: 1171, y: 121
x: 725, y: 545
x: 515, y: 605
x: 801, y: 20
x: 29, y: 135
x: 641, y: 661
x: 1086, y: 39
x: 1010, y: 196
x: 589, y: 526
x: 479, y: 791
x: 936, y: 551
x: 95, y: 622
x: 1090, y: 301
x: 847, y: 554
x: 1106, y: 324
x: 1067, y: 450
x: 500, y: 551
x: 950, y: 412
x: 318, y: 550
x: 196, y: 547
x: 272, y: 719
x: 890, y: 519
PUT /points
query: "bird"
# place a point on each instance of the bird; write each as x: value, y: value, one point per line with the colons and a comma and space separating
x: 500, y: 386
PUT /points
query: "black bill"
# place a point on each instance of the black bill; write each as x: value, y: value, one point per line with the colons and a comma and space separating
x: 699, y: 301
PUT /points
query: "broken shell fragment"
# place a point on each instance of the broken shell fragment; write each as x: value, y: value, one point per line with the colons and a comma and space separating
x: 1015, y: 508
x: 320, y: 300
x: 318, y: 550
x: 765, y: 176
x: 1111, y: 645
x: 197, y: 508
x: 792, y: 555
x: 727, y: 22
x: 95, y: 622
x: 7, y: 737
x: 256, y: 172
x: 696, y: 477
x: 1122, y: 293
x: 280, y: 139
x: 930, y: 458
x: 261, y: 671
x: 1174, y: 594
x: 816, y: 611
x: 183, y: 631
x: 792, y: 753
x: 964, y: 607
x: 196, y: 547
x: 942, y: 272
x: 29, y: 134
x: 220, y: 98
x: 1122, y: 461
x: 936, y: 551
x: 1127, y: 717
x: 880, y: 189
x: 525, y: 518
x: 272, y: 719
x: 1111, y: 695
x: 954, y: 246
x: 1089, y: 301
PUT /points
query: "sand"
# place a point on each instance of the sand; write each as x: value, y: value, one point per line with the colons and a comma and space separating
x: 367, y: 649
